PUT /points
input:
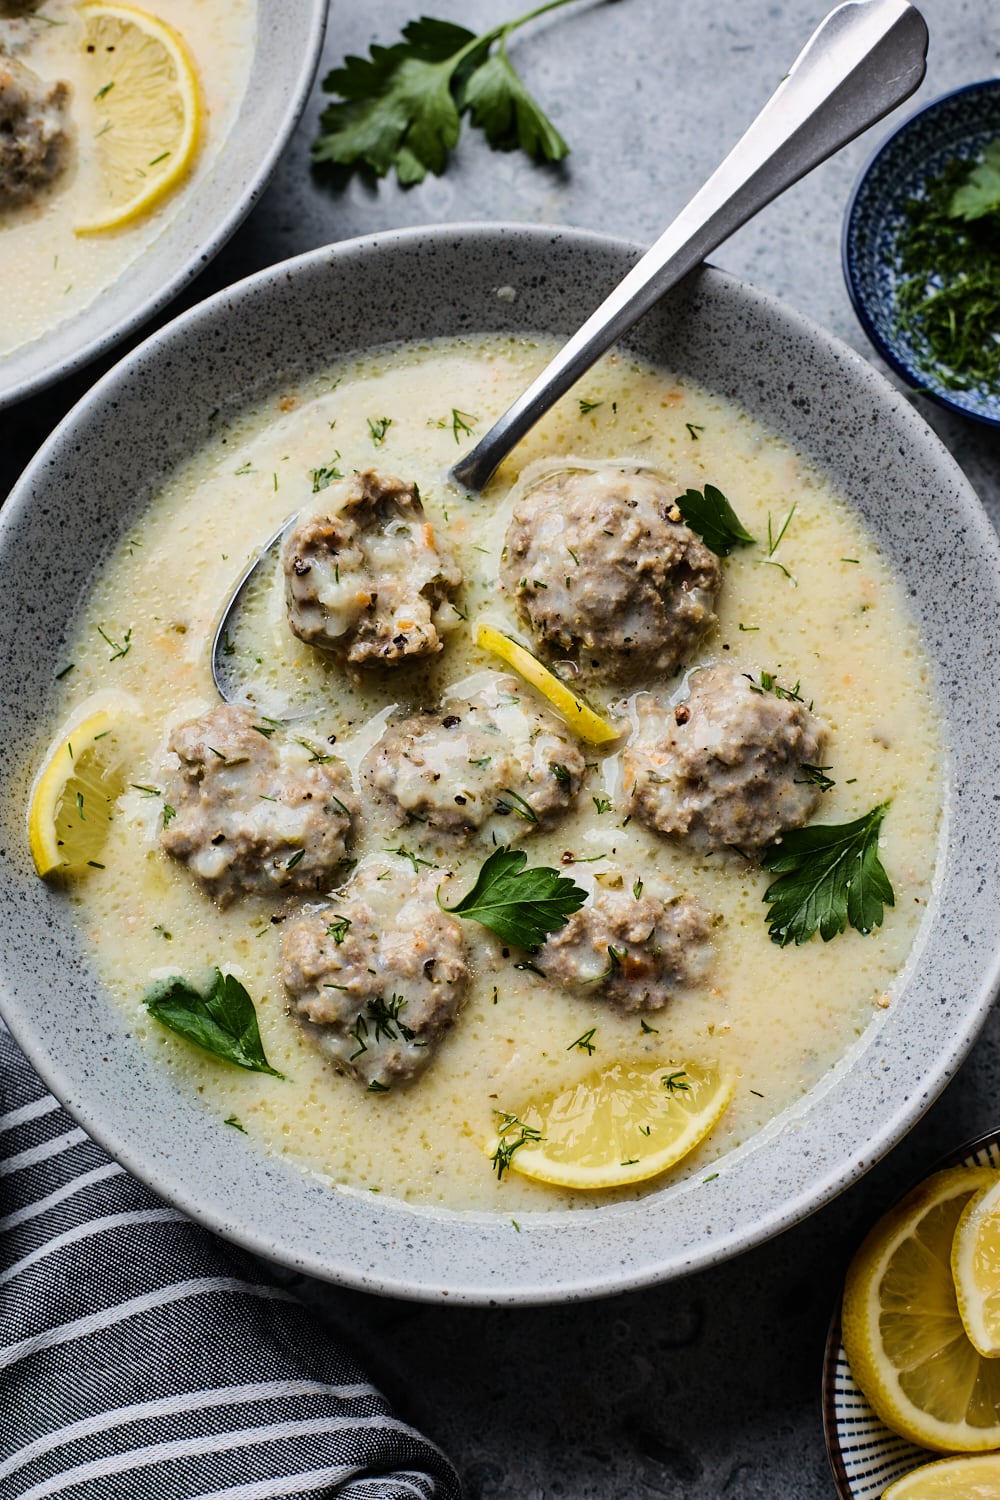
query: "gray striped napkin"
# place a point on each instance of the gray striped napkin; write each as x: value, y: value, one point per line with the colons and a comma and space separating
x: 142, y: 1357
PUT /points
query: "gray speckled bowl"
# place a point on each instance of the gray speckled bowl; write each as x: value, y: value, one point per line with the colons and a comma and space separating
x: 81, y: 495
x: 289, y: 39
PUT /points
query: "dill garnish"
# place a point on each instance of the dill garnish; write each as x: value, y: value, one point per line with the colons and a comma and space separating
x: 948, y: 295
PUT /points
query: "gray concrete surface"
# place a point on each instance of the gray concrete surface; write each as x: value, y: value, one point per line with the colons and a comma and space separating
x: 708, y: 1387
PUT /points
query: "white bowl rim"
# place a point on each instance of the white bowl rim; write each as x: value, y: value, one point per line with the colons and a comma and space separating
x: 546, y: 1230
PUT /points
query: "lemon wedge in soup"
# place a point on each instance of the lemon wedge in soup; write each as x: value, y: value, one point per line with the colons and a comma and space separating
x: 147, y: 112
x: 73, y: 799
x: 622, y: 1125
x: 578, y: 715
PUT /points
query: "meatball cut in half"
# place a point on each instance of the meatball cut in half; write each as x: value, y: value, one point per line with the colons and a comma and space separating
x: 377, y: 975
x: 253, y: 810
x: 629, y: 947
x: 364, y: 575
x: 604, y: 570
x: 496, y: 752
x: 726, y: 767
x: 34, y: 133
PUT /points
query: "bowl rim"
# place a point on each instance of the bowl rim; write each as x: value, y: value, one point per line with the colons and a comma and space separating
x: 911, y: 376
x: 729, y: 1235
x: 199, y: 253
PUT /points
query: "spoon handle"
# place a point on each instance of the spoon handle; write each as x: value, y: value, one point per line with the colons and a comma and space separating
x: 866, y: 57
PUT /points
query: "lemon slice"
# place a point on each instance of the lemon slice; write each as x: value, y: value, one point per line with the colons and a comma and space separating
x: 950, y: 1479
x: 74, y: 796
x: 975, y: 1268
x: 624, y: 1124
x: 578, y: 715
x: 904, y: 1338
x: 148, y: 111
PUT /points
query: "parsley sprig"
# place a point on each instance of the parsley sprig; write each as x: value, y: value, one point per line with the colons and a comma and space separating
x: 710, y: 514
x: 521, y: 906
x: 979, y: 194
x: 402, y: 106
x: 829, y: 876
x: 221, y: 1021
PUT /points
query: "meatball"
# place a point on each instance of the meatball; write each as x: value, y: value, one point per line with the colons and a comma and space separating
x: 726, y: 767
x: 34, y: 136
x: 377, y: 975
x: 252, y: 810
x: 630, y: 948
x: 496, y: 752
x: 364, y: 576
x: 603, y: 569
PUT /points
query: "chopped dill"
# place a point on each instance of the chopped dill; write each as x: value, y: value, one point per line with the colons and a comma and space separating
x: 947, y: 258
x: 508, y: 1143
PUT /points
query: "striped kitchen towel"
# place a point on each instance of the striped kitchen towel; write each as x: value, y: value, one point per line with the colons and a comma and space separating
x: 141, y: 1358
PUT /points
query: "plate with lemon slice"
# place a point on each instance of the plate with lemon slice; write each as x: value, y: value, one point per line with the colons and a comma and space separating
x: 165, y: 119
x: 911, y: 1398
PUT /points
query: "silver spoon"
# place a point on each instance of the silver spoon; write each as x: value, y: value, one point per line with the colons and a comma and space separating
x: 866, y: 57
x: 863, y: 60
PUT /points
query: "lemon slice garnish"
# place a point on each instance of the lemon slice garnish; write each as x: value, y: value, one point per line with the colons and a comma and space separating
x: 578, y: 715
x: 629, y: 1122
x: 73, y: 799
x: 975, y: 1269
x: 148, y: 111
x: 950, y: 1479
x: 903, y: 1335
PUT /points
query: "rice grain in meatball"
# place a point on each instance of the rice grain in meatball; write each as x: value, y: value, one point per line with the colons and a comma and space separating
x: 629, y: 947
x: 497, y: 752
x: 365, y: 576
x: 725, y: 768
x: 378, y: 975
x: 253, y: 810
x: 604, y: 570
x: 34, y: 133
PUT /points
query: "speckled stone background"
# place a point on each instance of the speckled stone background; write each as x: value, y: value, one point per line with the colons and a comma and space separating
x: 707, y: 1387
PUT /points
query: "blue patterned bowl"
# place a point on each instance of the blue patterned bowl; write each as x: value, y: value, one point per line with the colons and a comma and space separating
x: 958, y: 124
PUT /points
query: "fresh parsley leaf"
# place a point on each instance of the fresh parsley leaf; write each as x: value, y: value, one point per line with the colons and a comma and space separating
x: 500, y: 105
x: 829, y: 875
x: 521, y: 906
x: 402, y: 106
x: 222, y: 1021
x: 710, y: 514
x: 979, y: 194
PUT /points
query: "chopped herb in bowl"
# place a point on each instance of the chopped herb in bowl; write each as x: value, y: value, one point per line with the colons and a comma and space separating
x: 921, y: 250
x: 948, y: 261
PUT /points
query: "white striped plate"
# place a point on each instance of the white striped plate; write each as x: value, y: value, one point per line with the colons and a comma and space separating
x: 864, y: 1454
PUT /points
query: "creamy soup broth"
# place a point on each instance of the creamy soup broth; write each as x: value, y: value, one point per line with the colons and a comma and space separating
x: 821, y: 610
x: 57, y: 273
